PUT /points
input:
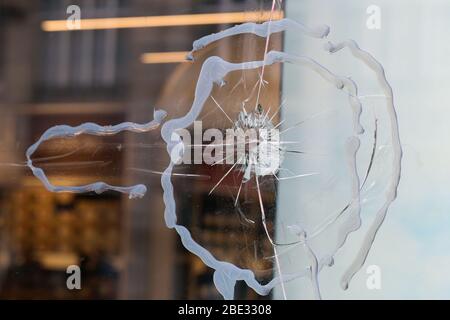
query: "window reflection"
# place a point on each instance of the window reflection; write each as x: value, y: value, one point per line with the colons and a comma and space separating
x: 49, y: 78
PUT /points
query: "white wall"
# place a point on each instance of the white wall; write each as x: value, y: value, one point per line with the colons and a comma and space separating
x: 412, y: 248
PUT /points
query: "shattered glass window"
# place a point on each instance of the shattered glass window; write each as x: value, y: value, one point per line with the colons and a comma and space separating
x: 216, y: 149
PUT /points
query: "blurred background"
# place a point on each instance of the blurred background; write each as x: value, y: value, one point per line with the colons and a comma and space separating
x: 50, y: 76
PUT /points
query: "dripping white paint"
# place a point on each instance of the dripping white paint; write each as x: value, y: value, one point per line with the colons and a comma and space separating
x: 213, y: 72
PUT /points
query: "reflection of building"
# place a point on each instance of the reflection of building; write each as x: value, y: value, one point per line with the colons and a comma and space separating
x: 73, y: 77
